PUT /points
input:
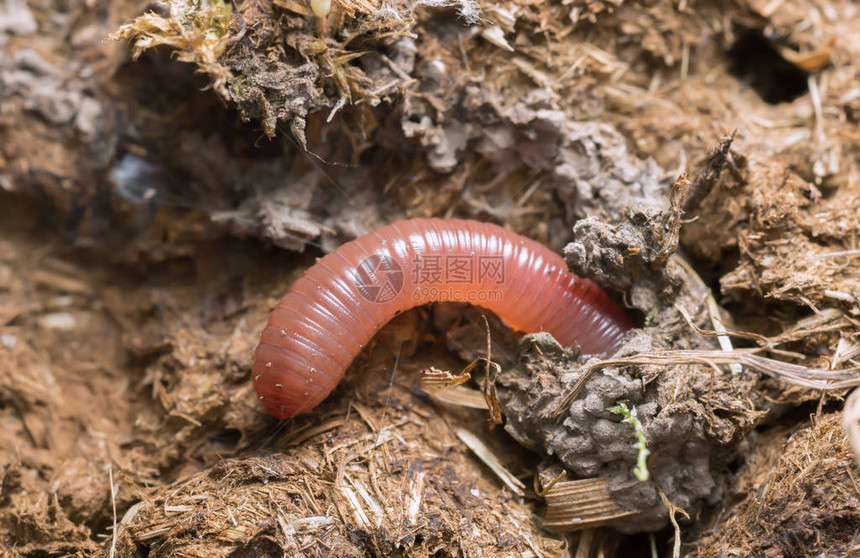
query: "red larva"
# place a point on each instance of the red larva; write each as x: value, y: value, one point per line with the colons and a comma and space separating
x: 332, y: 312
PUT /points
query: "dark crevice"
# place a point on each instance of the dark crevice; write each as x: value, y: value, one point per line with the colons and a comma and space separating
x: 756, y: 61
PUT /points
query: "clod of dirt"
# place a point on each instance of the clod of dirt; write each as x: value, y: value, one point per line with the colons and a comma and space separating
x: 528, y: 144
x: 33, y: 528
x: 792, y: 240
x: 327, y: 63
x: 693, y: 417
x: 630, y: 257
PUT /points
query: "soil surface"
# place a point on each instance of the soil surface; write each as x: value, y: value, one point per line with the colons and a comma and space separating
x: 162, y: 188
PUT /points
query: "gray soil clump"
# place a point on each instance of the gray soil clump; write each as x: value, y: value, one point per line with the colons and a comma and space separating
x: 693, y: 416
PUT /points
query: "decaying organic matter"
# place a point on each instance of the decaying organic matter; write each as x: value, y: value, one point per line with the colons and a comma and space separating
x: 800, y: 496
x: 693, y: 415
x: 345, y: 487
x: 153, y: 209
x: 183, y: 449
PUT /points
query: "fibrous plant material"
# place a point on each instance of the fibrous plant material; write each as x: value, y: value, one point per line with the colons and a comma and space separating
x: 346, y: 490
x: 800, y: 497
x: 793, y: 242
x: 197, y: 30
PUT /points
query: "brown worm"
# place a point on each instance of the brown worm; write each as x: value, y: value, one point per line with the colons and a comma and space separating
x: 331, y: 313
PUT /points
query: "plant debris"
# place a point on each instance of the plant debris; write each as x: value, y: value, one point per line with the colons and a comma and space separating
x: 152, y: 211
x: 800, y: 497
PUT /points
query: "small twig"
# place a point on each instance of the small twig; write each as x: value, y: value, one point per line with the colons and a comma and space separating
x: 672, y: 220
x: 673, y: 509
x: 541, y: 492
x: 705, y: 182
x: 113, y: 502
x: 802, y: 329
x: 761, y: 339
x: 492, y: 370
x: 570, y: 396
x: 390, y: 387
x: 816, y: 378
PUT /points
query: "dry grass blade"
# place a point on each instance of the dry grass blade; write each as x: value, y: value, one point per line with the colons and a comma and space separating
x: 581, y: 504
x: 720, y: 330
x: 673, y: 509
x: 583, y: 545
x: 837, y: 254
x: 366, y: 415
x: 112, y: 552
x: 846, y: 352
x: 305, y: 434
x: 304, y: 524
x: 461, y: 397
x: 570, y: 396
x: 816, y: 378
x: 486, y: 455
x: 434, y: 380
x: 60, y: 281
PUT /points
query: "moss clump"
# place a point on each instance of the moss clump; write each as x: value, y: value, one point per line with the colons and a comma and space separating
x: 197, y: 29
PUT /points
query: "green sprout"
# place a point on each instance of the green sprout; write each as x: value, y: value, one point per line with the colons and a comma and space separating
x: 641, y: 469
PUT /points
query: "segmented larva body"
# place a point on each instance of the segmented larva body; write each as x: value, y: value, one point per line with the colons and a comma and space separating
x: 331, y: 313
